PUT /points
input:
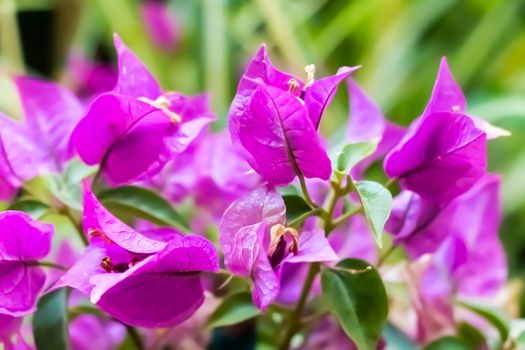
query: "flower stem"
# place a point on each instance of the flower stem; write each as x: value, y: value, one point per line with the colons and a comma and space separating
x: 306, y: 195
x: 46, y: 264
x: 385, y: 256
x: 295, y: 317
x: 298, y: 220
x: 347, y: 215
x: 135, y: 337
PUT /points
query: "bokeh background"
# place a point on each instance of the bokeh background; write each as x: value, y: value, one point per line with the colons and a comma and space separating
x: 398, y: 42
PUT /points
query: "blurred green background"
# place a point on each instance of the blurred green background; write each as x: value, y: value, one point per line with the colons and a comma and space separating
x: 398, y: 42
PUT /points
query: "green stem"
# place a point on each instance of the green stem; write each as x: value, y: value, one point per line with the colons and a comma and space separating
x: 295, y: 317
x: 46, y: 264
x: 298, y: 220
x: 306, y: 195
x: 135, y: 337
x: 385, y: 256
x: 347, y: 215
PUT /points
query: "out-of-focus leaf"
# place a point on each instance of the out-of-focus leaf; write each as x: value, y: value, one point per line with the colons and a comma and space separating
x: 235, y: 308
x: 397, y: 340
x: 33, y: 207
x: 377, y: 204
x: 355, y: 294
x: 295, y: 207
x: 492, y: 315
x: 448, y: 343
x: 142, y: 203
x: 50, y: 321
x: 471, y: 335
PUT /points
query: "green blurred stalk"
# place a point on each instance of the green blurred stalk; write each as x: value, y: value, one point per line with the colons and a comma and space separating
x: 10, y: 46
x: 215, y: 53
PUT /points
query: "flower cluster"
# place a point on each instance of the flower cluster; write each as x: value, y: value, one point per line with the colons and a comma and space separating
x: 296, y: 225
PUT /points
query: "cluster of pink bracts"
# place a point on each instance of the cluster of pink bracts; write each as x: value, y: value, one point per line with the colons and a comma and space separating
x: 445, y: 216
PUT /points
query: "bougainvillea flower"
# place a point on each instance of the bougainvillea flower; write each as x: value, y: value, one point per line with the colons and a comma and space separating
x: 256, y: 243
x: 279, y: 136
x: 445, y: 150
x: 274, y: 117
x: 367, y: 123
x: 133, y: 276
x: 142, y: 121
x: 23, y: 241
x: 160, y: 24
x: 443, y: 147
x: 117, y: 126
x: 40, y: 143
x: 321, y: 92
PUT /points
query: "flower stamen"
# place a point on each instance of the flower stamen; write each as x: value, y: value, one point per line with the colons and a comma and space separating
x: 163, y: 103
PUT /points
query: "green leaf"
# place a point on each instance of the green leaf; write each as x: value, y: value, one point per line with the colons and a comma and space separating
x: 76, y: 171
x: 33, y: 207
x: 492, y: 315
x: 377, y: 204
x: 397, y: 340
x: 351, y: 154
x: 295, y: 207
x: 67, y: 188
x: 50, y: 321
x: 448, y: 343
x: 142, y: 203
x: 471, y: 335
x: 355, y: 294
x: 235, y: 308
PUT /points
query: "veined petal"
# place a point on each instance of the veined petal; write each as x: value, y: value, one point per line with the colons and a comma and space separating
x: 22, y: 238
x: 117, y: 126
x: 244, y: 228
x: 320, y: 94
x: 162, y: 290
x: 98, y: 221
x: 280, y: 138
x: 445, y: 150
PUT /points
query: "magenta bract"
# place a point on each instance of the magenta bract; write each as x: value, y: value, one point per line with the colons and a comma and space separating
x: 256, y: 243
x: 123, y: 270
x: 23, y: 241
x: 443, y: 148
x: 274, y: 117
x: 137, y: 118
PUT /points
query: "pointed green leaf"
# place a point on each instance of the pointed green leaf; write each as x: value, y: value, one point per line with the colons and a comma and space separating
x: 142, y: 203
x: 295, y: 207
x: 355, y: 294
x: 235, y: 308
x: 351, y: 154
x: 33, y: 207
x: 50, y: 321
x: 448, y: 343
x: 377, y: 204
x: 493, y: 316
